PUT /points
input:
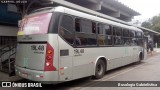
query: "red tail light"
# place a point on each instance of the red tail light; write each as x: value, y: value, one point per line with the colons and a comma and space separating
x: 49, y: 58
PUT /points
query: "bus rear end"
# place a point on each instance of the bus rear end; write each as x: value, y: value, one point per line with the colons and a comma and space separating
x: 36, y: 59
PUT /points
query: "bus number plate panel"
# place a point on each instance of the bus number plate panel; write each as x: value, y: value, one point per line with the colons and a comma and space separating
x: 78, y: 52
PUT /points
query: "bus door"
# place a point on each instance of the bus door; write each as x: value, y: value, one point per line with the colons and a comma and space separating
x: 134, y: 46
x: 135, y: 53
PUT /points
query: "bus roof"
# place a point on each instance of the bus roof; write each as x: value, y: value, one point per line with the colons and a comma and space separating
x: 83, y: 15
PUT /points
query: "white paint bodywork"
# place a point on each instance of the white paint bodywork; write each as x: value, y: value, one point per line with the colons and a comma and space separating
x: 84, y: 65
x: 73, y: 67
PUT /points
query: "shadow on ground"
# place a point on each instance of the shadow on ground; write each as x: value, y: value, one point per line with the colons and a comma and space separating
x: 79, y: 82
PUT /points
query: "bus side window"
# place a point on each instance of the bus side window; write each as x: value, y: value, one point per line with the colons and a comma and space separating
x: 108, y: 34
x: 126, y: 37
x: 117, y: 33
x: 104, y: 35
x: 77, y: 25
x: 66, y: 30
x: 86, y: 34
x: 139, y: 38
x: 133, y: 38
x: 93, y: 27
x: 101, y: 35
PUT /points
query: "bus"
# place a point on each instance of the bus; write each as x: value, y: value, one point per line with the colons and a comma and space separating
x: 62, y: 44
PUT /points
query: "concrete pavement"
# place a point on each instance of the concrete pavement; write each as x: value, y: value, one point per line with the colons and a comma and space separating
x: 148, y: 70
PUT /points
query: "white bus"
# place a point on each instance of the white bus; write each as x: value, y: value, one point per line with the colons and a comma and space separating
x: 61, y: 44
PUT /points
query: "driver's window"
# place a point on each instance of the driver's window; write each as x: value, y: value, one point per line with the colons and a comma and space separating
x: 66, y: 30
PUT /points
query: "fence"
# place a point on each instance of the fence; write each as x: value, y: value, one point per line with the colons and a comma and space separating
x: 7, y: 53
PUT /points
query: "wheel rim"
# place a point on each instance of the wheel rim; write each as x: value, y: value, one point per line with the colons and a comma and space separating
x: 100, y: 69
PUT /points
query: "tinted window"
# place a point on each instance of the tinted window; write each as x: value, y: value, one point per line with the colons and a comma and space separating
x: 133, y: 38
x: 93, y: 27
x: 86, y: 36
x: 105, y: 35
x: 66, y: 29
x: 132, y: 34
x: 125, y: 33
x: 133, y: 41
x: 101, y: 34
x: 100, y: 29
x: 139, y: 42
x: 108, y: 30
x: 139, y: 35
x: 118, y: 41
x: 77, y: 25
x: 126, y: 41
x: 126, y: 37
x: 117, y: 33
x: 108, y: 40
x: 86, y: 26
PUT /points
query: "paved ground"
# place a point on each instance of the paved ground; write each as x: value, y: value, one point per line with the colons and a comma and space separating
x: 148, y: 70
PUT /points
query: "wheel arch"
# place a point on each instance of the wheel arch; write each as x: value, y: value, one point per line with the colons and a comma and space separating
x: 140, y: 55
x: 102, y: 58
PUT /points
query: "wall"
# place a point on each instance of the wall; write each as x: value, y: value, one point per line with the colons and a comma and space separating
x: 8, y: 20
x: 8, y: 30
x: 8, y: 16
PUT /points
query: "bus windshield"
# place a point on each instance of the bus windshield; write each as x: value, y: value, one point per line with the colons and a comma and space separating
x: 36, y: 24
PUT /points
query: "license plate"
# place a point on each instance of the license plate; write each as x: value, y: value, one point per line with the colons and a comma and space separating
x: 24, y: 75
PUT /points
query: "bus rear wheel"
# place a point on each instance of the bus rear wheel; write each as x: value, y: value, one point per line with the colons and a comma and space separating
x: 100, y: 69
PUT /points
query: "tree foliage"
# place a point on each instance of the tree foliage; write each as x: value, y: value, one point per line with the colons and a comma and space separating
x: 146, y: 24
x: 153, y: 23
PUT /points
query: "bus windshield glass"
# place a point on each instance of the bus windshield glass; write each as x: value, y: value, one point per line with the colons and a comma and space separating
x: 36, y: 24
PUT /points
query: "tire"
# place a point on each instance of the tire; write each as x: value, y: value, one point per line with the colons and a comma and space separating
x: 100, y: 69
x: 140, y: 59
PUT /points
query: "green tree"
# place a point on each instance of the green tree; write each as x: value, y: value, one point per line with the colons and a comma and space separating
x: 155, y: 20
x: 146, y: 24
x: 156, y: 27
x: 153, y: 23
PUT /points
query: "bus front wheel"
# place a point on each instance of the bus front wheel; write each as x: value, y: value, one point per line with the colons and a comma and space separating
x: 140, y: 57
x: 100, y: 69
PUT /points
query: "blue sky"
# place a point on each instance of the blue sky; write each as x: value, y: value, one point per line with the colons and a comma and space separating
x: 147, y: 8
